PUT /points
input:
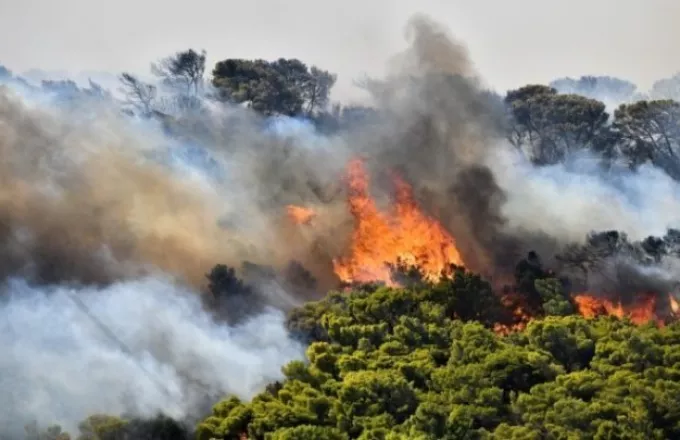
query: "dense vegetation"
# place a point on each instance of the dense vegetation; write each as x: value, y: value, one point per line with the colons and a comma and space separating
x: 394, y: 364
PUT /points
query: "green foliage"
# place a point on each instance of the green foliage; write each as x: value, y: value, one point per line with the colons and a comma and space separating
x: 650, y: 130
x: 548, y: 125
x: 392, y: 363
x: 285, y: 86
x: 554, y: 300
x: 308, y: 432
x: 102, y: 427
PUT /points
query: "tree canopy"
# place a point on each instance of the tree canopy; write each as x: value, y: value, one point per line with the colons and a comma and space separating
x: 285, y: 86
x: 547, y: 123
x: 549, y: 126
x: 650, y: 131
x: 424, y: 363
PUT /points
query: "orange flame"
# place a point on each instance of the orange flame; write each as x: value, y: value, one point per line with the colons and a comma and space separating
x: 379, y: 239
x: 640, y: 312
x: 521, y: 319
x: 300, y: 215
x: 675, y: 305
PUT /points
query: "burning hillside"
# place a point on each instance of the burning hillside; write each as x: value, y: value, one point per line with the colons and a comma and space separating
x: 383, y: 242
x: 234, y: 200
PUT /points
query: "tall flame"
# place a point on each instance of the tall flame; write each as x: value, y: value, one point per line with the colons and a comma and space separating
x: 405, y: 234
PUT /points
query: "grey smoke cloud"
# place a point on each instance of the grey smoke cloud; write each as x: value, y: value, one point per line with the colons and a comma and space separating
x: 569, y: 200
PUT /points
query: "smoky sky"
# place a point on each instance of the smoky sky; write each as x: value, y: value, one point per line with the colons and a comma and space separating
x: 514, y: 42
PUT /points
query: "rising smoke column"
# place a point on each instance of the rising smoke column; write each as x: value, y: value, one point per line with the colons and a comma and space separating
x: 437, y: 129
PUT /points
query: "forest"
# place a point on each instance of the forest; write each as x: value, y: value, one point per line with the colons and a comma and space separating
x: 512, y: 337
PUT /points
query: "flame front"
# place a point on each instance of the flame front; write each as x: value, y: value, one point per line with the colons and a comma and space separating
x: 404, y: 234
x: 641, y: 311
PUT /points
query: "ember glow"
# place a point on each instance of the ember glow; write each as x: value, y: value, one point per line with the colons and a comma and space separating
x: 521, y: 319
x: 403, y: 235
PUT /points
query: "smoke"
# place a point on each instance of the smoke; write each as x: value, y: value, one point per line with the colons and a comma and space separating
x: 612, y: 92
x: 443, y: 131
x: 79, y: 200
x: 624, y: 279
x: 93, y: 196
x: 96, y: 197
x: 60, y: 365
x: 569, y: 200
x: 90, y: 195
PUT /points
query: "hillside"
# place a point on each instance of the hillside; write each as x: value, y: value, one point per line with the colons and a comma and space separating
x: 232, y: 255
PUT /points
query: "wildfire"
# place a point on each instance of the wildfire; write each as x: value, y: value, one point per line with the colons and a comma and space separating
x: 641, y: 311
x: 404, y: 234
x: 300, y: 215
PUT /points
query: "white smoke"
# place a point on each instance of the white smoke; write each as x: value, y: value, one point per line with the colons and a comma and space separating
x: 569, y: 200
x: 166, y: 354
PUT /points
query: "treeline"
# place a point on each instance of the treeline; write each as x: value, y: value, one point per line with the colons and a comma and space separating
x: 106, y: 427
x: 550, y: 126
x: 547, y: 122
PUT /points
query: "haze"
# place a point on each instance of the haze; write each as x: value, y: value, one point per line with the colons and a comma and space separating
x: 512, y: 43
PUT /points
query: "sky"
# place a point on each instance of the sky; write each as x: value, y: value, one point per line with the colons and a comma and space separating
x: 512, y: 43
